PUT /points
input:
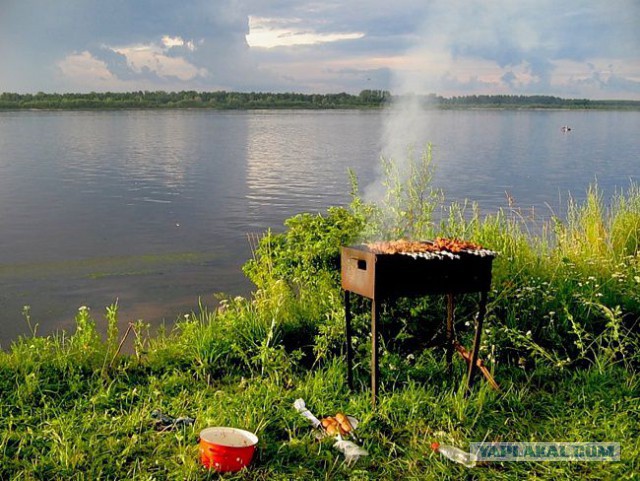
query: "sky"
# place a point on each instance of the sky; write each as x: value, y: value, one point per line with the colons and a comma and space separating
x: 579, y: 49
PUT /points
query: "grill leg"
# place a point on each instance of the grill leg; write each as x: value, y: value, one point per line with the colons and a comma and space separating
x: 347, y: 315
x: 375, y: 312
x: 450, y: 331
x: 476, y: 340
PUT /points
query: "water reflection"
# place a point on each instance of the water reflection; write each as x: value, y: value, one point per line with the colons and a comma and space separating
x: 480, y: 155
x: 153, y: 208
x: 92, y: 188
x: 143, y: 149
x: 299, y: 161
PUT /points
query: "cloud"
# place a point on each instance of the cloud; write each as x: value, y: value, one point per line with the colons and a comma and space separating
x: 83, y: 67
x: 153, y: 58
x: 119, y: 68
x: 607, y: 80
x: 517, y: 46
x: 281, y: 32
x: 442, y: 46
x: 171, y: 42
x: 115, y: 62
x: 156, y: 41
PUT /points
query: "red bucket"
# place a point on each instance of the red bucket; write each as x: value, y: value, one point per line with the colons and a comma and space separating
x: 226, y: 449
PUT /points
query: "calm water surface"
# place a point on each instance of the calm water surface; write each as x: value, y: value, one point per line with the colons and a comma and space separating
x: 153, y: 208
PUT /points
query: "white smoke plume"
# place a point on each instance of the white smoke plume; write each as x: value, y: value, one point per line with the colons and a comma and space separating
x: 523, y: 47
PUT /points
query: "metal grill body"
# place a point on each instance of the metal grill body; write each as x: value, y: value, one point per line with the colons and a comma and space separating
x: 385, y: 277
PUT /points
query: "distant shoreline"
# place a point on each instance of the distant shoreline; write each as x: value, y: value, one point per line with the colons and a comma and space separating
x: 222, y: 100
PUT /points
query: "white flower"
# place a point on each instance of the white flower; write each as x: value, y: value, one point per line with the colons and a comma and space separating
x: 528, y: 334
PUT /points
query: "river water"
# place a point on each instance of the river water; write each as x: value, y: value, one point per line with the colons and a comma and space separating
x: 153, y: 208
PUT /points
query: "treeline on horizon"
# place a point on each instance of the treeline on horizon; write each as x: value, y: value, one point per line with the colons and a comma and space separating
x: 224, y: 100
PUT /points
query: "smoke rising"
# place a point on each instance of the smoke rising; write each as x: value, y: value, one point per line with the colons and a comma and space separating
x: 502, y: 47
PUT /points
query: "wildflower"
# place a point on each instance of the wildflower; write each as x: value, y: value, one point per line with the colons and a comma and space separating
x: 636, y: 278
x: 528, y: 333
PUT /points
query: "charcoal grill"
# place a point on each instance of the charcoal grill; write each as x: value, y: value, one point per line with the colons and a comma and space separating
x: 386, y: 277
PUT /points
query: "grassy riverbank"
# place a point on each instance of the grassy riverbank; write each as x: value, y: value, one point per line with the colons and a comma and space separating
x: 561, y: 340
